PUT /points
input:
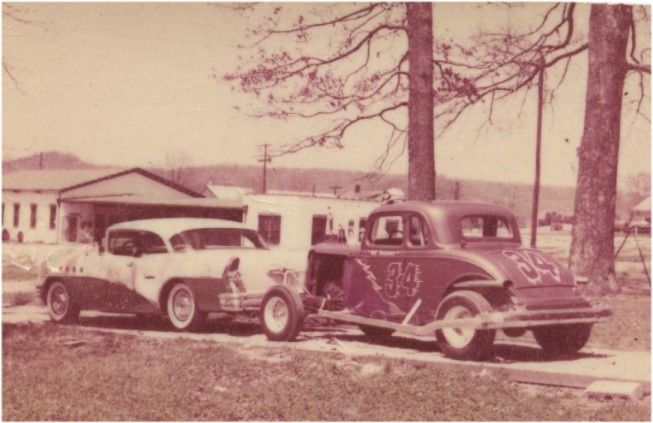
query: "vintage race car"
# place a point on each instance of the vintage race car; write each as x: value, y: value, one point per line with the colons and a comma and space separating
x: 179, y: 268
x: 453, y: 269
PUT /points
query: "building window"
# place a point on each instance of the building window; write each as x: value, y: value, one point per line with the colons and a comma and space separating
x: 269, y: 227
x: 16, y: 214
x: 32, y: 216
x: 362, y: 222
x: 53, y: 216
x: 318, y: 233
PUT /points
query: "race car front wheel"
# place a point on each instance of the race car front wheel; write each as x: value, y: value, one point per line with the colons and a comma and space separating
x: 182, y: 310
x: 464, y: 343
x: 562, y: 339
x: 282, y: 314
x: 62, y: 307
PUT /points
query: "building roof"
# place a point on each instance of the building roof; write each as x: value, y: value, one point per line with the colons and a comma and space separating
x: 61, y: 180
x: 228, y: 192
x: 161, y: 202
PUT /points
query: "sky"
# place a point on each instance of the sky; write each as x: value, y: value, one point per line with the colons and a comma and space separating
x: 128, y: 84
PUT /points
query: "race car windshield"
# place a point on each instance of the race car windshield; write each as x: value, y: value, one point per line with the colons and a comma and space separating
x: 486, y: 227
x: 203, y: 239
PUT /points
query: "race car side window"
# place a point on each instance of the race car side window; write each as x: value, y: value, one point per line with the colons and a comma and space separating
x: 387, y: 231
x: 419, y: 234
x: 488, y: 226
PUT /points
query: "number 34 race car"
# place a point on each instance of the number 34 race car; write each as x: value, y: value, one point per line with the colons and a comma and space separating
x: 455, y: 270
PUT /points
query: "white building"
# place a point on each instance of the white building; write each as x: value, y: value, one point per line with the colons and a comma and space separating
x: 52, y: 206
x: 295, y: 221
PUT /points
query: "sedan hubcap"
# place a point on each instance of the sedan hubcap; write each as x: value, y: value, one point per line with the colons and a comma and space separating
x: 59, y: 300
x: 182, y: 305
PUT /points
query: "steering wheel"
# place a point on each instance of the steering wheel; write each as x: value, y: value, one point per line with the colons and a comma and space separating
x: 396, y: 234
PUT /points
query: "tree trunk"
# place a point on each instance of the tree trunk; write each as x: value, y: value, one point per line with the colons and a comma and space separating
x: 421, y: 160
x: 592, y: 245
x: 538, y: 158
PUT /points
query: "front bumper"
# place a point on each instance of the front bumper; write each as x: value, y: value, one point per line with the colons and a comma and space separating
x: 238, y: 302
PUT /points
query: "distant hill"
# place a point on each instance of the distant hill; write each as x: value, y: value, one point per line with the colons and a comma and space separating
x: 48, y: 160
x: 517, y: 197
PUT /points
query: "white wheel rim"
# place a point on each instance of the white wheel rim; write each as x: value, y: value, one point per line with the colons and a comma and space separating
x: 59, y: 300
x: 181, y: 306
x: 462, y: 336
x: 276, y: 315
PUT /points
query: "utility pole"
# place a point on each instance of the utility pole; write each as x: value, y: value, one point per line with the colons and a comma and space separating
x: 266, y: 159
x: 538, y: 158
x: 335, y: 189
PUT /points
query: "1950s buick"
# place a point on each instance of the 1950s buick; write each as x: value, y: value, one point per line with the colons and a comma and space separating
x: 182, y: 269
x: 453, y: 269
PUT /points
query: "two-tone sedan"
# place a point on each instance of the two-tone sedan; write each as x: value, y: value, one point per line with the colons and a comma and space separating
x: 178, y: 268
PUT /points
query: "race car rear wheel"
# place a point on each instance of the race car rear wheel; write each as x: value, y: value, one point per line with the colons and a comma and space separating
x: 62, y: 307
x: 183, y: 313
x: 374, y: 332
x: 562, y: 339
x: 282, y: 314
x: 464, y: 343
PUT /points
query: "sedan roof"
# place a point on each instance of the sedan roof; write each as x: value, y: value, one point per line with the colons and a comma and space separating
x: 168, y: 227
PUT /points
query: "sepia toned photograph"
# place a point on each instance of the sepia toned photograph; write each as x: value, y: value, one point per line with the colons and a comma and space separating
x: 266, y: 211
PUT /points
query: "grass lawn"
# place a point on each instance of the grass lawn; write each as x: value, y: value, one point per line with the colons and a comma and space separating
x: 630, y: 326
x: 64, y: 373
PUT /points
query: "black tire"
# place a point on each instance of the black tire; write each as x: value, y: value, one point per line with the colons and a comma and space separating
x: 62, y: 306
x: 181, y: 308
x: 374, y: 332
x: 464, y: 343
x: 282, y: 314
x: 562, y: 339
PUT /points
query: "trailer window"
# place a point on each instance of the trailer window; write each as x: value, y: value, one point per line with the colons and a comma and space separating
x: 269, y: 227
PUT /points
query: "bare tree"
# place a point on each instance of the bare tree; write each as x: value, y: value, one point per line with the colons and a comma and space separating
x: 360, y: 80
x: 376, y: 62
x: 177, y: 163
x: 592, y: 247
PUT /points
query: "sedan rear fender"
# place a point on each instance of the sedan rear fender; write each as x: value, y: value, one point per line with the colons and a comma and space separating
x: 206, y: 289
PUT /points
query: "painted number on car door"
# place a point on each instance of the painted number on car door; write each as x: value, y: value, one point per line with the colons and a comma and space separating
x: 402, y: 282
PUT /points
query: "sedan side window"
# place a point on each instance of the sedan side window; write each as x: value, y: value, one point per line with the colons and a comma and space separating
x: 388, y: 230
x: 122, y: 243
x: 153, y: 244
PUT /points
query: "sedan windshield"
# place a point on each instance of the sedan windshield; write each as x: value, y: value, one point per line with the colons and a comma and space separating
x: 203, y: 239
